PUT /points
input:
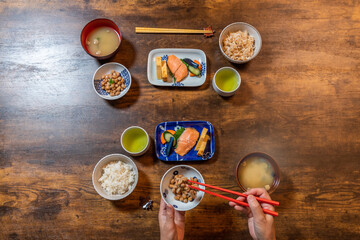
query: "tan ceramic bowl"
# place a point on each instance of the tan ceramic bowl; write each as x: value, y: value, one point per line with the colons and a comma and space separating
x: 236, y: 27
x: 98, y: 171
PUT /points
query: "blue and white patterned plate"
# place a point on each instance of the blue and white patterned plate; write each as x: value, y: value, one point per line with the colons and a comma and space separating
x: 167, y: 194
x: 193, y: 54
x: 160, y: 149
x: 106, y: 69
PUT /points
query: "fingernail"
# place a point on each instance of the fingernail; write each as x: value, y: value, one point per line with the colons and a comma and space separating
x: 251, y: 198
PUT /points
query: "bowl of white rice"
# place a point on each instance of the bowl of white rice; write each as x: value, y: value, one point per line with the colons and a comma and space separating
x: 115, y: 176
x: 240, y: 42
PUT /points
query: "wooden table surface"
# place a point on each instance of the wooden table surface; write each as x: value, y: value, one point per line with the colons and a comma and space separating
x: 299, y: 101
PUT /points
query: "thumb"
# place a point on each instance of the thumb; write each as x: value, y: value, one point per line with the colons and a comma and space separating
x: 170, y: 212
x: 256, y: 209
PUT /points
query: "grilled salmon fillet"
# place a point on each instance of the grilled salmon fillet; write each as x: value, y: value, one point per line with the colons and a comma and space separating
x: 186, y: 141
x: 178, y: 68
x: 174, y: 63
x: 181, y: 73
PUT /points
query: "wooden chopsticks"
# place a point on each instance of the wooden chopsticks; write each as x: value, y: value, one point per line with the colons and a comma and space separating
x: 275, y: 214
x: 171, y: 30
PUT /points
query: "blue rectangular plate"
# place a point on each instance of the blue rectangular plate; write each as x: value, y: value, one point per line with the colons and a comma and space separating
x: 191, y: 155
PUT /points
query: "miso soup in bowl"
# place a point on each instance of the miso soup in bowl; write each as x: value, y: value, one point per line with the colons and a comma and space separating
x: 101, y: 38
x: 258, y: 170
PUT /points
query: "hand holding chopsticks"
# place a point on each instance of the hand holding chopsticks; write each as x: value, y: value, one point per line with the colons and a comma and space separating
x: 262, y: 200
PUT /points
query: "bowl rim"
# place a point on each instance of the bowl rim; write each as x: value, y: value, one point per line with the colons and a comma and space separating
x: 143, y: 150
x: 109, y: 97
x: 232, y: 69
x: 177, y: 166
x: 272, y: 161
x: 115, y: 197
x: 257, y: 51
x: 106, y: 56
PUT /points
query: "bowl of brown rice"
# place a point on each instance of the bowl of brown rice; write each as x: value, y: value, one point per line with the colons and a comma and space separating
x: 115, y: 176
x: 240, y: 42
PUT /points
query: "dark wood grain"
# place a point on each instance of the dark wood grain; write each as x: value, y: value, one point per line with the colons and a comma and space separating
x: 299, y: 101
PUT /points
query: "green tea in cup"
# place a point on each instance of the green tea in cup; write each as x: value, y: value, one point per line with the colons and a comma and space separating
x: 226, y: 81
x: 135, y: 140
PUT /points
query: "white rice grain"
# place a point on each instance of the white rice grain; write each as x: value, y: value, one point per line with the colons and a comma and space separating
x: 117, y: 178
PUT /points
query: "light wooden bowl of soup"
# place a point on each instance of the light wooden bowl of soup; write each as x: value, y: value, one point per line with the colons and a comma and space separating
x: 258, y: 170
x: 101, y: 38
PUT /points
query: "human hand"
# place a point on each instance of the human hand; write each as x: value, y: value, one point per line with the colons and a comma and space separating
x: 172, y: 223
x: 261, y: 225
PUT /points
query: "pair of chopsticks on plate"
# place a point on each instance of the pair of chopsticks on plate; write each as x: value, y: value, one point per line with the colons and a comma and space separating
x: 244, y: 204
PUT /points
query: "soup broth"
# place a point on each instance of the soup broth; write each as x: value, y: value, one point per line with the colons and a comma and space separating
x: 256, y: 172
x: 135, y: 140
x: 102, y: 41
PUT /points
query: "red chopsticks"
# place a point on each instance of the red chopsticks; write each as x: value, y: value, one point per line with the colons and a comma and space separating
x: 263, y: 200
x: 275, y: 214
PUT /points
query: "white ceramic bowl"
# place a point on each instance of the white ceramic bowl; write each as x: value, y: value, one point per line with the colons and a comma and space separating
x: 236, y: 27
x: 98, y: 171
x: 167, y: 194
x: 106, y: 69
x: 222, y: 92
x: 135, y: 153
